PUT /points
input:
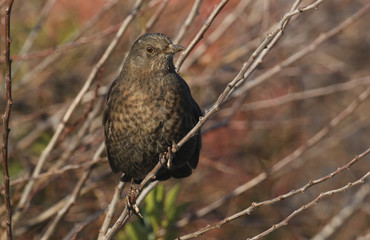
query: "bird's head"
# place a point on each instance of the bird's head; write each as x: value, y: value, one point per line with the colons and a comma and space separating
x: 153, y: 52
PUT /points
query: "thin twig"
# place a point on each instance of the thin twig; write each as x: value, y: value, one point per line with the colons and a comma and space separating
x: 292, y: 193
x: 66, y: 46
x: 46, y: 152
x: 192, y: 14
x: 72, y: 235
x: 53, y: 57
x: 241, y: 92
x: 6, y: 117
x: 184, y: 54
x: 254, y: 65
x: 240, y: 76
x: 282, y: 164
x: 154, y: 18
x: 311, y: 204
x: 218, y: 32
x: 303, y: 52
x: 126, y: 213
x: 55, y: 172
x: 53, y: 210
x: 74, y: 195
x: 28, y: 43
x: 339, y: 220
x: 111, y: 209
x: 312, y: 93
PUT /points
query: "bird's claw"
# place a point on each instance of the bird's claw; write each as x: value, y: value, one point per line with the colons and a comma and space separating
x: 131, y: 200
x: 132, y: 207
x: 175, y: 147
x: 167, y: 157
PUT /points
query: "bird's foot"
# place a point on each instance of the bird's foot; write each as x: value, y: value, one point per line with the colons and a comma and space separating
x: 167, y: 157
x: 131, y: 200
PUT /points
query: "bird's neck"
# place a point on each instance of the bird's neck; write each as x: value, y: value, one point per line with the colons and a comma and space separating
x: 138, y: 74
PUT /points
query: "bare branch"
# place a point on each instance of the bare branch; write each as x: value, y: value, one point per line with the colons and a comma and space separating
x: 6, y: 117
x: 111, y: 209
x: 317, y: 92
x: 292, y: 193
x: 28, y: 43
x: 311, y: 204
x: 72, y: 107
x: 200, y: 34
x: 125, y: 215
x: 153, y: 19
x: 246, y: 66
x: 303, y: 52
x: 337, y: 221
x: 193, y: 13
x: 217, y: 33
x: 76, y: 192
x: 285, y: 161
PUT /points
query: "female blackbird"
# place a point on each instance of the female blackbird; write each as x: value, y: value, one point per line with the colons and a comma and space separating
x: 150, y: 107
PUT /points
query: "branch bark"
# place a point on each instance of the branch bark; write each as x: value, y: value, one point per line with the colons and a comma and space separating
x: 6, y: 118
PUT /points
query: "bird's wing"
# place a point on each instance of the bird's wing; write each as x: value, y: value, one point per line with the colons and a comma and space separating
x: 197, y: 113
x: 108, y: 129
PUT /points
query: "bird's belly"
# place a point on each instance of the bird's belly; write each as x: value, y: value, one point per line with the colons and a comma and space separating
x: 144, y: 128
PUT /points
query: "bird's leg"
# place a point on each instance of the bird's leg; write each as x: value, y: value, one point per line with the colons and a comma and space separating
x: 131, y: 200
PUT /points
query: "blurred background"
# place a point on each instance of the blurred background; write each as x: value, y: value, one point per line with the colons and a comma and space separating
x: 55, y: 47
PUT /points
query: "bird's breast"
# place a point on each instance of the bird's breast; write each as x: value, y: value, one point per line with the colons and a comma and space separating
x: 155, y: 112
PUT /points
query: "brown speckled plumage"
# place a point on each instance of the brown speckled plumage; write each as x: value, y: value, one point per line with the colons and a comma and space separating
x: 149, y: 106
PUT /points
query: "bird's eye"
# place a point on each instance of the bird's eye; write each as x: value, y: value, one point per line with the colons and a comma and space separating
x: 149, y: 50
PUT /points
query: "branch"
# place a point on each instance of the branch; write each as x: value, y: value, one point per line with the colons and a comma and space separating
x: 6, y: 117
x: 66, y: 46
x: 285, y: 161
x: 154, y: 18
x: 46, y: 152
x: 253, y: 65
x: 310, y: 204
x: 199, y: 36
x: 246, y: 66
x: 218, y: 32
x: 126, y: 214
x: 111, y: 209
x: 193, y: 12
x: 72, y: 235
x: 28, y: 43
x: 56, y: 207
x: 292, y: 193
x: 75, y: 194
x: 50, y: 59
x: 303, y: 52
x: 317, y: 92
x: 343, y: 215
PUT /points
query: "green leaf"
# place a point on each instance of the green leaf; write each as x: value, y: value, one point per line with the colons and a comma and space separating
x: 160, y: 194
x: 170, y: 201
x: 135, y: 231
x: 150, y: 200
x: 153, y: 207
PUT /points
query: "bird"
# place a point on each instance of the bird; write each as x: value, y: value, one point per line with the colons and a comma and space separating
x: 150, y: 108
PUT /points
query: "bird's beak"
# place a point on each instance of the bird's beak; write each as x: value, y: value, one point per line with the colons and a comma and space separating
x: 172, y: 49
